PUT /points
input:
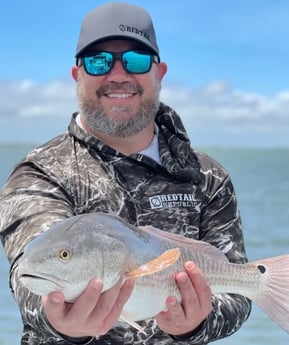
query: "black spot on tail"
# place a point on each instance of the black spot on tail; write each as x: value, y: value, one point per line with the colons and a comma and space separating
x: 261, y: 268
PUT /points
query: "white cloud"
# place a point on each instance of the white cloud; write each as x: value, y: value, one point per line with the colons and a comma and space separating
x: 32, y: 100
x: 221, y: 102
x: 213, y: 113
x: 223, y: 114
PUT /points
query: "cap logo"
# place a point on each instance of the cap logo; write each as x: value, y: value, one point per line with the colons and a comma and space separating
x: 134, y: 30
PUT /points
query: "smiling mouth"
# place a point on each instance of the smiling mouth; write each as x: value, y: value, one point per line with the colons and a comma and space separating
x: 119, y: 90
x: 120, y: 95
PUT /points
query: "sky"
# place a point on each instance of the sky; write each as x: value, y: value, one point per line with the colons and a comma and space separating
x: 228, y: 70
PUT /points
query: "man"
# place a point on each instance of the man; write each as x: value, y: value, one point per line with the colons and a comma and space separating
x: 128, y: 154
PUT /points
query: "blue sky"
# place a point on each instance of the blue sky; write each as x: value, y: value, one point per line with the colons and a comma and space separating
x: 228, y: 73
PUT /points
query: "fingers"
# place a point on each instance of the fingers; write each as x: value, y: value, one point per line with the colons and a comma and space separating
x: 93, y: 313
x: 107, y: 300
x: 182, y: 318
x: 73, y: 319
x: 202, y: 291
x: 176, y: 310
x: 87, y: 301
x: 54, y: 306
x: 124, y: 294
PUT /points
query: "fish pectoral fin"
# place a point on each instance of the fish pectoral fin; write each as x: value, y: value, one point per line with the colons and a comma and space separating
x: 125, y: 318
x: 163, y: 261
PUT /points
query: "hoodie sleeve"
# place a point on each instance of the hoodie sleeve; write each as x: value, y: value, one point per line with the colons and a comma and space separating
x: 30, y: 203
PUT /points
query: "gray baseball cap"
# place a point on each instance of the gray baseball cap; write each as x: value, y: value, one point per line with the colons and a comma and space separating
x: 117, y: 20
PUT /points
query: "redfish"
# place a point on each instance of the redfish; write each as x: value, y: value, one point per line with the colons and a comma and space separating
x: 72, y: 251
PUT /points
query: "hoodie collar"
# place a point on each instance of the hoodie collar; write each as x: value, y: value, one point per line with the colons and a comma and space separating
x: 176, y: 155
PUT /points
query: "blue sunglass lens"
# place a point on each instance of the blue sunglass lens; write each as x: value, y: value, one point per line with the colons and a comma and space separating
x: 132, y: 61
x: 135, y: 62
x: 98, y: 64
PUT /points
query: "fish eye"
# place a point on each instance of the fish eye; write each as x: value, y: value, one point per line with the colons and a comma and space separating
x: 65, y: 254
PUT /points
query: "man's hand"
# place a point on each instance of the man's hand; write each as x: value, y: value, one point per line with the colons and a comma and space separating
x: 183, y: 318
x: 93, y: 313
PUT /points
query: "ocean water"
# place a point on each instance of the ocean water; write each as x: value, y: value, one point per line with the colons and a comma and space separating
x: 261, y: 180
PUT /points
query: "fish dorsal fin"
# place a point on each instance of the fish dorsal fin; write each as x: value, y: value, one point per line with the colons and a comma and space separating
x: 182, y: 241
x: 167, y: 235
x: 163, y: 261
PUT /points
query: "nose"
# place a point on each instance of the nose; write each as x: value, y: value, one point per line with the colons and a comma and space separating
x: 118, y: 73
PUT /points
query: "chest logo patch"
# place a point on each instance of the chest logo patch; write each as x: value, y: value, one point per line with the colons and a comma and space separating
x: 175, y: 200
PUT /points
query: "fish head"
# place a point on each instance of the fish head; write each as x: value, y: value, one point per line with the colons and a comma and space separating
x: 67, y: 256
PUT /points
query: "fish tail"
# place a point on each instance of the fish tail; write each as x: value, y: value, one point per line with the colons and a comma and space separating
x: 273, y: 296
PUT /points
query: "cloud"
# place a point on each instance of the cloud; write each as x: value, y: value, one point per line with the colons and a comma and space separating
x: 28, y: 99
x: 220, y: 102
x: 219, y: 113
x: 216, y: 113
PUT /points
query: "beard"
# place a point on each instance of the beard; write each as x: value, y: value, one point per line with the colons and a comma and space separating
x: 99, y: 121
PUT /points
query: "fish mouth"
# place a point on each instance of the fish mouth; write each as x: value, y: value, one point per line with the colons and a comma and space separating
x: 38, y: 277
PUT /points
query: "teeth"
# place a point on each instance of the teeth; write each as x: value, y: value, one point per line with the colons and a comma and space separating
x: 120, y: 95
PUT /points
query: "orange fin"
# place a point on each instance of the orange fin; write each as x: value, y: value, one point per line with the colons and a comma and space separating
x: 163, y: 261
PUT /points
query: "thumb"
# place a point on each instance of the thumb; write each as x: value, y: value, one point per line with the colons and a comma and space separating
x: 54, y: 306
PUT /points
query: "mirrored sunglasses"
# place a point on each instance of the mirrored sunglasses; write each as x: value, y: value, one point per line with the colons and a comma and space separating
x: 133, y: 61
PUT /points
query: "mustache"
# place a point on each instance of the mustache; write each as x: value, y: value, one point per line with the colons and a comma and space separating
x: 123, y: 87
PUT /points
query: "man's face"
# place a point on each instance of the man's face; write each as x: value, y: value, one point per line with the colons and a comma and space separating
x: 119, y: 103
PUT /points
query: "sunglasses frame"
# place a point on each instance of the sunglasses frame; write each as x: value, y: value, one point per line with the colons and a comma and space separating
x: 116, y: 56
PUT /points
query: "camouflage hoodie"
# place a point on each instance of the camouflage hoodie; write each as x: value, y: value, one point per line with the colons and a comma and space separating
x: 75, y: 173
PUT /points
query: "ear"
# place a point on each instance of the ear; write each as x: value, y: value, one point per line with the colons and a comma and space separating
x: 161, y: 70
x: 74, y: 72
